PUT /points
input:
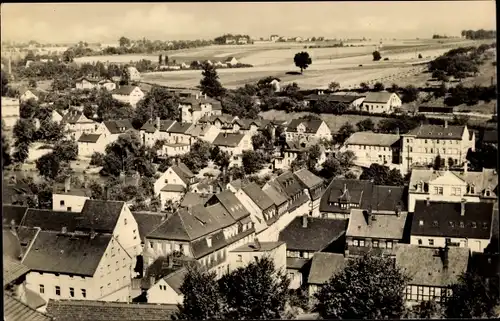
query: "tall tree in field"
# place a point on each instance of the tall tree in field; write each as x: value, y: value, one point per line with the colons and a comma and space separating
x: 210, y: 84
x: 369, y: 287
x: 202, y: 297
x: 376, y: 56
x: 257, y: 291
x: 160, y: 60
x: 302, y: 60
x: 473, y: 297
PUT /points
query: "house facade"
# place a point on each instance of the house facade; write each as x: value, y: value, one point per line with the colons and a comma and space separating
x: 172, y: 184
x: 381, y: 102
x: 76, y: 124
x: 128, y: 94
x: 134, y: 74
x: 234, y: 144
x: 242, y: 256
x: 308, y: 131
x: 315, y: 187
x: 194, y: 107
x: 374, y: 148
x: 89, y: 144
x: 86, y: 83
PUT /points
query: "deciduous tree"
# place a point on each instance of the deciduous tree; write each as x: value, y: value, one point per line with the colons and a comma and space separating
x: 344, y: 132
x: 376, y: 55
x: 210, y: 84
x: 382, y: 175
x: 302, y: 60
x: 366, y: 124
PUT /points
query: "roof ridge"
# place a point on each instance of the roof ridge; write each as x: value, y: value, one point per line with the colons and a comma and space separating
x: 184, y: 224
x: 26, y: 305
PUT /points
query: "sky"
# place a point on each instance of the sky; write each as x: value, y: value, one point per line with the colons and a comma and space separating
x: 107, y: 22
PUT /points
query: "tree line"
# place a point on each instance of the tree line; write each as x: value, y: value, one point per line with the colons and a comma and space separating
x: 479, y: 34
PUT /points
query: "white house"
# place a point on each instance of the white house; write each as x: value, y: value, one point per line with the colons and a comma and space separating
x: 26, y: 94
x: 381, y: 102
x: 452, y: 186
x: 231, y: 61
x: 464, y: 224
x: 193, y: 108
x: 112, y: 129
x: 174, y: 149
x: 374, y: 148
x: 89, y: 144
x: 86, y: 83
x: 107, y: 84
x: 250, y: 252
x: 234, y: 144
x: 307, y: 131
x: 128, y: 94
x: 56, y: 116
x: 204, y: 132
x: 68, y: 198
x: 76, y: 124
x: 173, y: 183
x: 154, y: 130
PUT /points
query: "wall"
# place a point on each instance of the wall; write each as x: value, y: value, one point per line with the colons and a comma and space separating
x: 475, y: 245
x: 168, y: 177
x: 87, y: 149
x: 76, y: 202
x: 127, y: 232
x: 155, y: 248
x: 295, y: 278
x: 173, y: 196
x: 255, y: 211
x: 163, y: 295
x: 371, y: 154
x: 239, y: 259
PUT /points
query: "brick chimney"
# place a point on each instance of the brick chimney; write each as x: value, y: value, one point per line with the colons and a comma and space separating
x: 465, y: 167
x: 445, y: 256
x: 397, y: 131
x: 304, y: 221
x: 369, y: 216
x: 462, y: 206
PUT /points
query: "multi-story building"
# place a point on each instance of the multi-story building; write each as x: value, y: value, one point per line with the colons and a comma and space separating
x: 250, y: 252
x: 452, y: 186
x: 68, y: 198
x: 432, y: 271
x: 422, y: 145
x: 76, y: 124
x: 304, y: 237
x: 381, y: 102
x: 194, y: 108
x: 174, y: 183
x: 374, y: 148
x: 89, y: 144
x: 112, y: 129
x: 307, y: 131
x: 128, y: 94
x: 154, y: 130
x: 234, y: 144
x: 315, y: 187
x: 436, y: 224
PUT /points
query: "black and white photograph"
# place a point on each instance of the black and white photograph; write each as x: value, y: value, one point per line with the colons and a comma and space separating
x: 261, y: 160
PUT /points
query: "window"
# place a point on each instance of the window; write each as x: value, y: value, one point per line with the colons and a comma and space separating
x: 125, y: 221
x: 42, y: 289
x: 356, y: 243
x: 84, y: 293
x: 421, y: 223
x: 389, y: 244
x: 68, y: 208
x: 432, y: 293
x: 375, y: 243
x: 61, y: 203
x: 240, y: 259
x: 452, y: 224
x: 435, y: 224
x: 58, y: 290
x: 362, y: 243
x: 151, y: 244
x: 420, y: 293
x: 72, y: 292
x: 408, y: 292
x: 419, y: 241
x: 456, y: 191
x: 474, y: 225
x: 426, y: 141
x: 462, y: 225
x: 431, y: 242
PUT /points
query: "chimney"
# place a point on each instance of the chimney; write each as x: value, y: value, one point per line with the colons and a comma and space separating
x: 446, y: 124
x: 158, y: 123
x: 304, y: 221
x: 369, y: 216
x: 428, y: 201
x: 170, y: 261
x: 257, y: 244
x: 465, y: 167
x: 462, y: 206
x: 205, y: 96
x: 197, y: 97
x: 398, y: 209
x: 345, y: 188
x: 67, y: 184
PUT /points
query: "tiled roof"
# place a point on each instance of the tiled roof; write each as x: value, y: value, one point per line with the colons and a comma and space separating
x: 296, y: 263
x: 66, y: 253
x: 118, y: 126
x: 72, y: 117
x: 124, y: 90
x: 12, y: 270
x: 318, y: 234
x: 438, y: 132
x: 324, y: 266
x: 425, y: 265
x: 220, y: 214
x: 49, y: 220
x: 289, y: 183
x: 150, y: 125
x: 311, y: 126
x: 490, y: 137
x: 308, y: 179
x: 388, y: 198
x: 86, y: 310
x: 198, y: 130
x: 378, y: 97
x: 11, y: 245
x: 99, y: 215
x: 346, y: 99
x: 383, y: 226
x: 187, y: 224
x: 278, y: 197
x: 183, y: 172
x: 13, y: 213
x: 372, y: 139
x: 26, y: 236
x: 258, y: 196
x: 176, y: 188
x: 147, y: 221
x: 192, y: 199
x: 231, y: 204
x: 262, y: 247
x: 15, y: 310
x: 89, y: 138
x: 34, y: 300
x: 444, y: 219
x: 228, y: 139
x: 175, y: 279
x: 180, y: 128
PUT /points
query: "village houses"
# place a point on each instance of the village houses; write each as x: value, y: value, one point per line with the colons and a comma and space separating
x: 307, y: 131
x: 128, y: 94
x: 234, y: 144
x: 134, y: 74
x: 174, y: 183
x: 27, y: 94
x: 323, y: 266
x: 193, y: 108
x: 89, y: 144
x: 374, y: 148
x: 381, y: 102
x: 250, y: 252
x: 69, y: 198
x: 76, y: 124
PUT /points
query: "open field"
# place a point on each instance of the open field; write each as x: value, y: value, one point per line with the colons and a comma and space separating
x: 333, y: 121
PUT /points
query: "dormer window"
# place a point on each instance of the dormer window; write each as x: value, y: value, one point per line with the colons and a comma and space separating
x: 474, y: 225
x: 209, y: 241
x: 421, y: 223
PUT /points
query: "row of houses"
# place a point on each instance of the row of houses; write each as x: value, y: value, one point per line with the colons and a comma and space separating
x: 373, y: 102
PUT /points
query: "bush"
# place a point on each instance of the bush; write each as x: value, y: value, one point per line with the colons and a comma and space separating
x: 97, y: 159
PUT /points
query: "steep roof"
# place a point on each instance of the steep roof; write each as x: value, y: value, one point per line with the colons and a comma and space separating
x: 86, y: 310
x: 324, y: 266
x: 100, y: 215
x: 147, y: 222
x: 359, y: 192
x: 12, y: 270
x: 89, y: 138
x: 175, y: 279
x: 118, y: 126
x: 372, y: 139
x: 425, y: 265
x: 490, y: 137
x: 64, y: 253
x: 50, y: 220
x: 311, y: 126
x: 378, y: 97
x: 274, y: 193
x: 228, y: 139
x: 383, y: 226
x: 318, y: 234
x: 124, y: 90
x: 192, y: 199
x: 308, y: 179
x: 15, y: 310
x: 150, y: 125
x: 453, y: 132
x: 231, y: 204
x: 258, y: 196
x: 180, y: 128
x: 183, y: 172
x: 444, y: 219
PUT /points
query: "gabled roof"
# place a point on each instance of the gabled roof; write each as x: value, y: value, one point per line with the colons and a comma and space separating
x: 66, y: 253
x: 118, y: 126
x: 372, y: 139
x: 425, y: 265
x: 382, y: 226
x: 228, y: 139
x: 49, y: 220
x: 175, y: 279
x: 86, y: 310
x: 444, y: 219
x: 12, y: 270
x: 89, y: 138
x: 180, y: 128
x: 311, y: 126
x: 198, y: 130
x: 192, y: 199
x: 183, y: 172
x: 150, y: 125
x: 453, y: 132
x: 257, y: 195
x: 231, y: 204
x: 308, y: 179
x: 15, y: 310
x: 324, y: 266
x: 378, y: 97
x: 147, y: 221
x: 99, y: 215
x: 274, y: 193
x: 318, y: 234
x: 124, y: 90
x: 73, y: 116
x: 335, y: 98
x: 289, y: 183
